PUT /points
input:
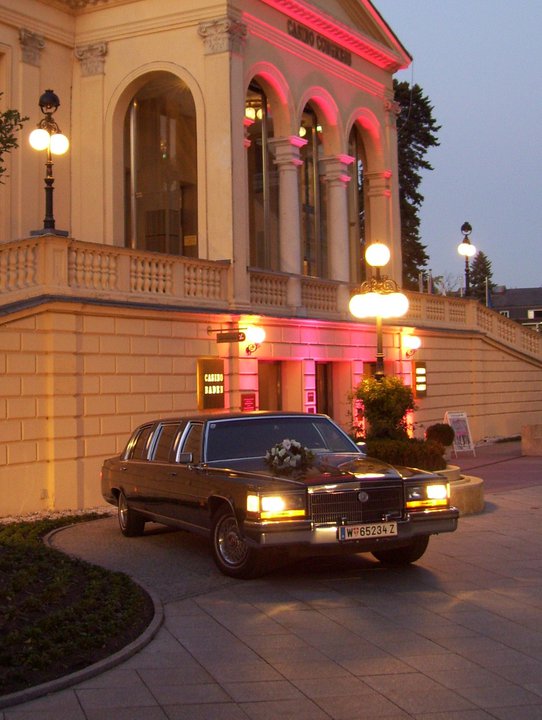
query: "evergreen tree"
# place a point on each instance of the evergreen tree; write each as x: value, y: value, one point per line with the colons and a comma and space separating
x: 481, y: 277
x: 10, y: 123
x: 416, y: 133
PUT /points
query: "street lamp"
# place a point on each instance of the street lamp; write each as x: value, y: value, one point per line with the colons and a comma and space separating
x: 47, y: 136
x: 378, y: 297
x: 467, y: 250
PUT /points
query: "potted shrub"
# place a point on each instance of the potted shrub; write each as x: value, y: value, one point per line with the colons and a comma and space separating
x: 384, y: 405
x: 441, y: 433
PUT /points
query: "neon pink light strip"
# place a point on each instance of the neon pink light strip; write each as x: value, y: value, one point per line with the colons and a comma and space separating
x: 366, y: 48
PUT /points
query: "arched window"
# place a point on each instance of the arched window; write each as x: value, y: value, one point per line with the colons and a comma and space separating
x: 160, y: 161
x: 263, y: 183
x: 313, y: 197
x: 357, y: 207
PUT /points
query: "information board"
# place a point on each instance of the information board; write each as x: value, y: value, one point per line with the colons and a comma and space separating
x: 460, y: 424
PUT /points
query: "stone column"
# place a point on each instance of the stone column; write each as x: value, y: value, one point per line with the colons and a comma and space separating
x: 287, y: 159
x: 337, y: 179
x: 27, y: 167
x: 390, y: 178
x: 87, y: 144
x: 228, y: 237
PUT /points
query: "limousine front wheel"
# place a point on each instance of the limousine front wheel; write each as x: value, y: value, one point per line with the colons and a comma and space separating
x: 130, y: 522
x: 231, y: 552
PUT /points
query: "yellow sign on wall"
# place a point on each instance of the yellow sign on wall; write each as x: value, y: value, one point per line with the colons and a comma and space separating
x: 210, y: 383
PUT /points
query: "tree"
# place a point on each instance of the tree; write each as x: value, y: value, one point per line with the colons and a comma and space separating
x: 480, y: 277
x: 416, y: 133
x: 10, y: 124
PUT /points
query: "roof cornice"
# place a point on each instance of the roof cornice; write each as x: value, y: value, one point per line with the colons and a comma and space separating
x: 386, y: 57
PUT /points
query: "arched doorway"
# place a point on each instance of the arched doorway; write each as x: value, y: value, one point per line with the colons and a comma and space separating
x: 160, y: 168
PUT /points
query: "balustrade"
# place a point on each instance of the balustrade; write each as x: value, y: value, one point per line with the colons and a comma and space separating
x: 57, y: 266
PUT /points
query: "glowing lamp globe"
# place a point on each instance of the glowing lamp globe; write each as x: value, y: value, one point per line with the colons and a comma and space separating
x: 377, y: 254
x: 396, y: 305
x: 39, y: 139
x: 59, y: 144
x: 411, y: 343
x: 255, y: 335
x: 466, y: 249
x: 364, y: 305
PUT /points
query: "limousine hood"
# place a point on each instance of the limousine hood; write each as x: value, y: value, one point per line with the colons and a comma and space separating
x: 331, y: 467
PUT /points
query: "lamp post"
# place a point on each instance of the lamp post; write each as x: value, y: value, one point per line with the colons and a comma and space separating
x: 467, y: 250
x: 378, y: 297
x: 47, y: 136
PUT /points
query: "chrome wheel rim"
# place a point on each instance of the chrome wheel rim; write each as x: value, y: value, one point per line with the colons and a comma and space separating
x: 122, y: 511
x: 231, y: 546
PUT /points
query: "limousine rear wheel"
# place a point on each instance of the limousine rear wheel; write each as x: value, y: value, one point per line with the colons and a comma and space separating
x: 404, y: 555
x: 231, y: 551
x: 131, y: 523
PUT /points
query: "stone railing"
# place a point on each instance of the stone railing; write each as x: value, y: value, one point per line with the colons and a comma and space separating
x: 59, y: 267
x: 439, y: 311
x: 55, y: 266
x: 280, y: 292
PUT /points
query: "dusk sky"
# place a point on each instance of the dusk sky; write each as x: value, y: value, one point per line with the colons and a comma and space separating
x: 478, y: 62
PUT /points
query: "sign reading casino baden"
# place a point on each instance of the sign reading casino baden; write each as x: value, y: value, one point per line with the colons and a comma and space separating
x: 210, y: 383
x: 321, y: 43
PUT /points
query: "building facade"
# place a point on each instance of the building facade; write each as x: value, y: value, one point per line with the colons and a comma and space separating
x: 523, y: 305
x: 228, y: 165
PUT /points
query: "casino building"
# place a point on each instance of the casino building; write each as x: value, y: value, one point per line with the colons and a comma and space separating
x: 218, y: 154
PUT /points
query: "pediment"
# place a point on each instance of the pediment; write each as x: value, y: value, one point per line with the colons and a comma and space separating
x: 353, y: 24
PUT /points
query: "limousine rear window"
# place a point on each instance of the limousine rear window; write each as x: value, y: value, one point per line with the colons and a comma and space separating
x: 138, y: 447
x: 163, y: 446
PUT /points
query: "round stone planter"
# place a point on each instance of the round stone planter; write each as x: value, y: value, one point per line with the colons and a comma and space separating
x: 466, y: 491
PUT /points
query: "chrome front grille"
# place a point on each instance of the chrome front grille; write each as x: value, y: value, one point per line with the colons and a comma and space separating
x: 346, y: 506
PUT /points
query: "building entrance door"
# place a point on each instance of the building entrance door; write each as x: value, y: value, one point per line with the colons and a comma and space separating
x: 324, y: 388
x: 270, y: 385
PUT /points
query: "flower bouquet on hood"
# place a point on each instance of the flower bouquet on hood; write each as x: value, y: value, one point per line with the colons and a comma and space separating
x: 289, y: 456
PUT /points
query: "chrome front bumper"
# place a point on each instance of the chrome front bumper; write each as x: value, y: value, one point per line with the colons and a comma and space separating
x: 429, y: 522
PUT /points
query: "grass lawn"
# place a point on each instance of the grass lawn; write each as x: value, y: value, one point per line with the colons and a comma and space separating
x: 58, y: 614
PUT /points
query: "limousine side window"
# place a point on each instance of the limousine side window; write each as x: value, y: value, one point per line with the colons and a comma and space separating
x: 192, y: 444
x: 164, y: 444
x: 138, y: 448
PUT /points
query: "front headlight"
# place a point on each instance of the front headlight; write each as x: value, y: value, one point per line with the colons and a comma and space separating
x: 276, y: 507
x: 427, y: 495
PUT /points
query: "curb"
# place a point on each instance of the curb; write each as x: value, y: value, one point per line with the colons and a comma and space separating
x: 97, y: 668
x: 466, y: 491
x: 467, y: 494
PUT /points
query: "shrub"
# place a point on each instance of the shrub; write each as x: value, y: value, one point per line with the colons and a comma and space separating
x: 440, y: 432
x: 384, y: 405
x: 422, y: 454
x: 11, y: 123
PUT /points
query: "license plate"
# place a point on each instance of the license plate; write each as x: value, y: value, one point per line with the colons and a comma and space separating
x: 367, y: 530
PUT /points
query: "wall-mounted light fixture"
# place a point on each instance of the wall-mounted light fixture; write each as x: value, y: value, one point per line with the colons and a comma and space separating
x: 411, y: 344
x: 419, y: 376
x: 47, y: 136
x: 255, y: 335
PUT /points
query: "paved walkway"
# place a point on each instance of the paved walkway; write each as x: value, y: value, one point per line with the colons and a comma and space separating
x: 456, y: 637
